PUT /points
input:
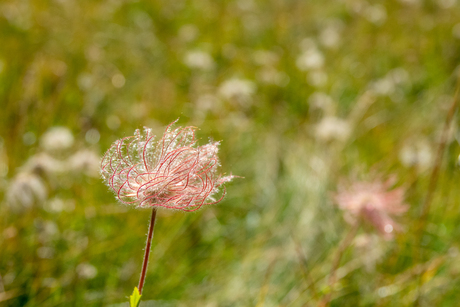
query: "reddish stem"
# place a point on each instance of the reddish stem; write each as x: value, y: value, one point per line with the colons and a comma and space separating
x: 147, y: 250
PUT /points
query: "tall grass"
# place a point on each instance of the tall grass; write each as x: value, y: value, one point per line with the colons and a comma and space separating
x: 304, y: 95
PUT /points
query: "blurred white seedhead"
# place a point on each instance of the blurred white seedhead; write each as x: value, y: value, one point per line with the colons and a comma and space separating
x: 322, y: 101
x: 46, y: 252
x: 240, y: 90
x: 57, y: 139
x: 199, y: 60
x: 47, y: 231
x: 418, y: 154
x: 204, y: 104
x: 384, y: 86
x: 86, y: 271
x: 311, y: 58
x: 25, y: 190
x: 118, y: 80
x: 207, y: 102
x: 85, y: 161
x: 330, y: 34
x: 44, y: 163
x: 332, y: 128
x: 399, y: 76
x: 92, y: 136
x: 390, y: 83
x: 270, y: 75
x: 377, y: 14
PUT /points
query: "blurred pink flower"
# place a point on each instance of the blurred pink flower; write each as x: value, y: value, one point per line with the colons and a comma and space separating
x: 374, y: 203
x: 172, y: 172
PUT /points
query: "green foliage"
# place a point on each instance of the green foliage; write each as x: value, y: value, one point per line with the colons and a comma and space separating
x: 332, y: 91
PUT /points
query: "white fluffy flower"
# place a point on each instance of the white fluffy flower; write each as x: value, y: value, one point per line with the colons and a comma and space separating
x: 57, y: 138
x: 240, y: 89
x: 25, y: 190
x: 199, y: 60
x: 86, y: 161
x: 330, y: 128
x: 312, y: 58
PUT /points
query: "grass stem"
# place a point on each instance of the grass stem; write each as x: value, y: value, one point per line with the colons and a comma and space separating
x: 346, y: 242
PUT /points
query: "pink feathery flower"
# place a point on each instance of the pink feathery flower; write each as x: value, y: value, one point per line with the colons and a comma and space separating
x: 172, y: 172
x: 374, y: 203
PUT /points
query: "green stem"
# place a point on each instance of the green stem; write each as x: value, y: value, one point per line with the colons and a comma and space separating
x: 338, y: 256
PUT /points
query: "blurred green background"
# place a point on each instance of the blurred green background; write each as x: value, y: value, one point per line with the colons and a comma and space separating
x: 302, y: 94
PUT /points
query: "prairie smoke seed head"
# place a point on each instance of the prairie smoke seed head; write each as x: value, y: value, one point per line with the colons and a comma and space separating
x: 374, y: 203
x: 172, y: 172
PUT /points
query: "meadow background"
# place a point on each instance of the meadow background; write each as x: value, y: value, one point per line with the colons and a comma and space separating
x: 303, y: 95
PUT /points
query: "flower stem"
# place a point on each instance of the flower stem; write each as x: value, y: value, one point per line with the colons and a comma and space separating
x: 346, y: 242
x: 147, y: 250
x: 432, y: 185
